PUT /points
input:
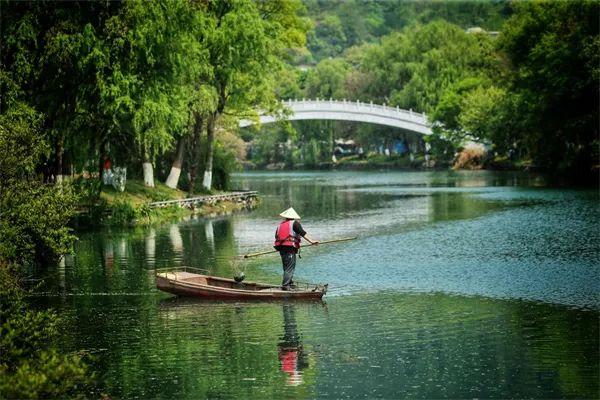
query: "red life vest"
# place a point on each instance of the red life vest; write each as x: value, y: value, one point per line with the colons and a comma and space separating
x: 285, y: 235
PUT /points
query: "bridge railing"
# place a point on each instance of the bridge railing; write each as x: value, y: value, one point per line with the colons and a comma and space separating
x: 354, y: 105
x: 351, y: 111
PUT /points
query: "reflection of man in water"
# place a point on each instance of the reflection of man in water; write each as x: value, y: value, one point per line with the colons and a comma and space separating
x: 291, y: 356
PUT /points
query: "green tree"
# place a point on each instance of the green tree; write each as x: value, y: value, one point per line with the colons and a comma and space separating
x: 413, y: 69
x: 482, y: 113
x: 472, y: 109
x: 328, y: 37
x: 554, y: 52
x: 152, y: 81
x: 33, y: 216
x: 43, y: 52
x: 288, y: 86
x: 339, y: 25
x: 327, y: 80
x: 31, y: 366
x: 33, y: 230
x: 246, y: 42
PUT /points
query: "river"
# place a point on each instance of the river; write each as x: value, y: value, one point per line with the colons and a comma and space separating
x: 460, y: 285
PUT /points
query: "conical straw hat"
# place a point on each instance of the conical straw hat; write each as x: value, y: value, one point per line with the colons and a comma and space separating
x: 290, y: 213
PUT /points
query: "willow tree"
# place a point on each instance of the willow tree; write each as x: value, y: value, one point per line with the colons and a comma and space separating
x: 42, y: 50
x: 155, y: 60
x: 202, y: 105
x: 246, y: 41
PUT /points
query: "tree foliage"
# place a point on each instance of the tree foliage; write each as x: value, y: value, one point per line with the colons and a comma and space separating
x: 554, y: 54
x: 340, y: 25
x: 33, y: 216
x: 532, y: 92
x: 152, y: 81
x: 33, y: 229
x: 541, y: 98
x: 246, y: 42
x: 428, y: 68
x: 412, y: 69
x: 31, y: 366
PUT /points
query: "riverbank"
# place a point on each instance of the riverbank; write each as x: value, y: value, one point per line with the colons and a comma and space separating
x: 371, y: 162
x: 141, y: 205
x: 418, y: 163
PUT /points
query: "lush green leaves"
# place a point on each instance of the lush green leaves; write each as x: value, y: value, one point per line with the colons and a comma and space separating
x: 156, y: 63
x: 22, y: 144
x: 246, y: 42
x: 327, y: 80
x: 33, y: 228
x: 553, y: 48
x: 480, y: 112
x: 340, y: 25
x: 532, y: 92
x: 428, y: 68
x: 30, y: 366
x: 33, y: 216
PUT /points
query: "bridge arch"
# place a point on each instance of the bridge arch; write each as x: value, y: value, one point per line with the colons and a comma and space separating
x: 351, y: 111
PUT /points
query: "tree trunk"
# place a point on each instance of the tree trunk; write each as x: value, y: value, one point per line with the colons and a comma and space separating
x: 331, y: 137
x: 102, y: 151
x: 148, y: 169
x: 195, y: 151
x: 173, y: 177
x: 208, y: 166
x: 58, y: 167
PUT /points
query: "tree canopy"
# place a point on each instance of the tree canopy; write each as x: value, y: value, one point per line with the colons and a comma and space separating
x: 342, y: 24
x: 529, y: 92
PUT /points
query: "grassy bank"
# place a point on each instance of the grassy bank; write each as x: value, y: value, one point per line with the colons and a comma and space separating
x: 137, y: 194
x: 131, y: 207
x: 373, y: 160
x: 353, y: 162
x: 465, y: 160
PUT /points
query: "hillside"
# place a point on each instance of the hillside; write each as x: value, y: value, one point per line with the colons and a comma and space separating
x: 341, y: 24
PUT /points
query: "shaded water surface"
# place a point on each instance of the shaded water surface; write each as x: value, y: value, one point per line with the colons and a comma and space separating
x: 460, y: 285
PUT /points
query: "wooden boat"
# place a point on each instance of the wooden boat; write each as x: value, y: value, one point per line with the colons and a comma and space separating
x: 184, y: 283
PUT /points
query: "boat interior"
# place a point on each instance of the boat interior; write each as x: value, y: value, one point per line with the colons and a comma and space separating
x: 214, y: 281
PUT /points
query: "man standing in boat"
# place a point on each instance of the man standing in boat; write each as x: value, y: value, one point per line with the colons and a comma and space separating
x: 287, y: 242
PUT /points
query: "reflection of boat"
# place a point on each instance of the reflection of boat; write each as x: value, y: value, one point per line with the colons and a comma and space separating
x: 184, y: 283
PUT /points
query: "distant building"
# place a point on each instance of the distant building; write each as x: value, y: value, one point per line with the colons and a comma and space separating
x: 478, y: 30
x: 344, y: 147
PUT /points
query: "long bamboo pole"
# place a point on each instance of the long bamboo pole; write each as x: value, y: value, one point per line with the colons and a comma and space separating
x: 320, y: 243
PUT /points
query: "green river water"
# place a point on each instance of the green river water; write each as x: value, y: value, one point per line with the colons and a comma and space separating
x: 460, y: 285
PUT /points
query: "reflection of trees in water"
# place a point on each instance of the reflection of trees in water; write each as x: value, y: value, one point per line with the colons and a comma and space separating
x: 304, y: 194
x: 221, y: 349
x: 176, y: 239
x: 208, y: 243
x: 150, y: 242
x: 291, y: 352
x: 495, y: 348
x: 460, y: 205
x: 570, y: 365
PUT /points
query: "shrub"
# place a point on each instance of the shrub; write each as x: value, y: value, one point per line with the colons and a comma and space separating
x: 31, y: 366
x: 87, y: 190
x: 122, y: 213
x: 470, y: 158
x: 33, y: 216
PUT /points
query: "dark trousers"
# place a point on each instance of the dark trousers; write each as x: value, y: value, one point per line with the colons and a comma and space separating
x: 288, y: 259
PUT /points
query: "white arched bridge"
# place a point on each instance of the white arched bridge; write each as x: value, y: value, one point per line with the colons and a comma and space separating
x: 350, y: 111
